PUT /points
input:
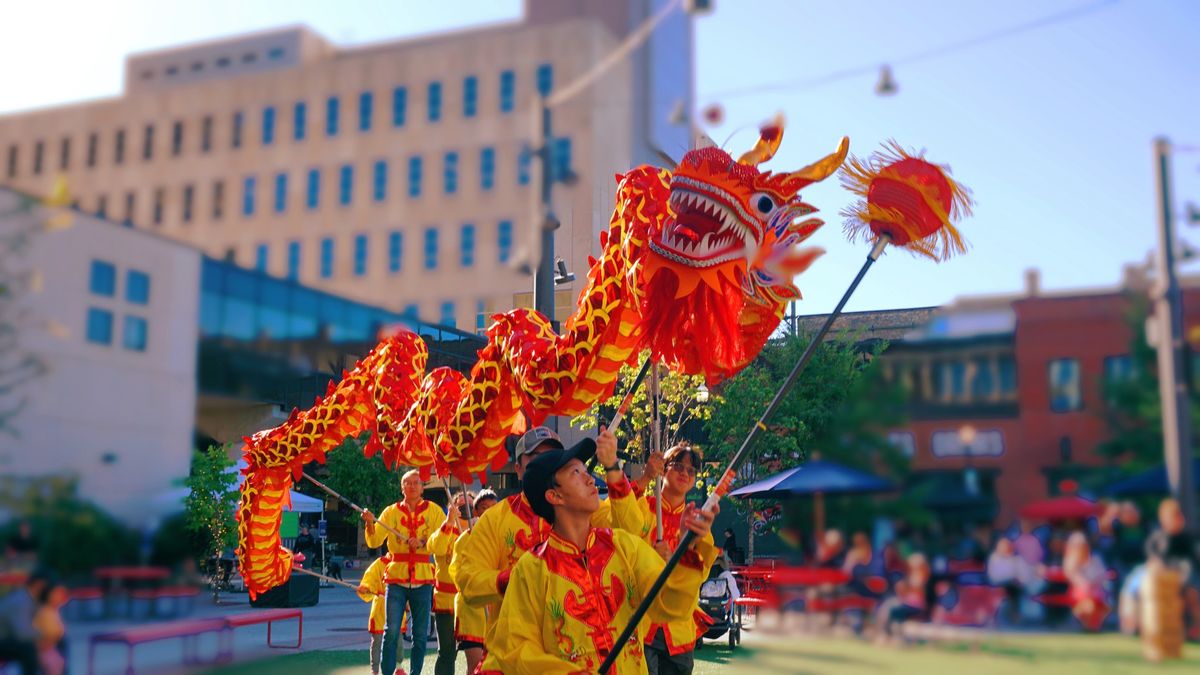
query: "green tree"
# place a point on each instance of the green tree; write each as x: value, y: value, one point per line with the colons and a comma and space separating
x: 1133, y: 411
x: 20, y: 222
x: 678, y: 409
x: 366, y: 481
x: 210, y: 507
x: 842, y: 407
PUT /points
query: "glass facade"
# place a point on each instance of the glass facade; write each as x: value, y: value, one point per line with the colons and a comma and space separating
x: 243, y: 304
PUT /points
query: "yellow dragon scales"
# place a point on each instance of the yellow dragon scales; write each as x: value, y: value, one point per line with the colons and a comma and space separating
x: 696, y: 266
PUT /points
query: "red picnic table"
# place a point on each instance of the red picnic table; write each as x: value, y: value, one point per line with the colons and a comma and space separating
x: 13, y: 578
x: 132, y: 573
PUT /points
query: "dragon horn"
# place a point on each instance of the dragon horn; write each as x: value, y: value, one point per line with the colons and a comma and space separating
x: 824, y: 168
x: 769, y: 137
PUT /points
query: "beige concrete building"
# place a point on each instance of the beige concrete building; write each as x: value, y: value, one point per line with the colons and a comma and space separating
x: 396, y: 174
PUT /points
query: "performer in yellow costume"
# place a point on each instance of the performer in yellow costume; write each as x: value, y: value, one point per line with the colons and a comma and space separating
x: 410, y: 575
x: 511, y: 528
x: 569, y: 598
x: 441, y: 545
x: 670, y: 646
x: 470, y: 623
x: 373, y: 589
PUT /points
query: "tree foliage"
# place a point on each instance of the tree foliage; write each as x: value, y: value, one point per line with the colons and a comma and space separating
x: 366, y: 481
x: 842, y: 407
x: 678, y: 409
x: 209, y: 508
x: 20, y: 222
x: 1133, y: 412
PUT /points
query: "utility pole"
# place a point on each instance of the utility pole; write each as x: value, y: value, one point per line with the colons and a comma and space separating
x: 545, y: 222
x: 1172, y: 379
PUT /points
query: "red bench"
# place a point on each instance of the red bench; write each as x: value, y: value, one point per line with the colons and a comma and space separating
x: 189, y: 631
x: 267, y: 616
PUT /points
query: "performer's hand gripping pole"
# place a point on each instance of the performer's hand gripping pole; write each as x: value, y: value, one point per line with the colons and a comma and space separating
x: 349, y: 503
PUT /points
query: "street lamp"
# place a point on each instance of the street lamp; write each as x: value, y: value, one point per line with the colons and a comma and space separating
x: 702, y: 393
x: 966, y: 436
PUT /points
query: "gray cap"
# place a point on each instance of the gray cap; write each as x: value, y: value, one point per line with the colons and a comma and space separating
x: 534, y: 438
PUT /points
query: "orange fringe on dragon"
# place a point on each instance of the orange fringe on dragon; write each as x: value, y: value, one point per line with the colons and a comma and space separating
x: 696, y: 266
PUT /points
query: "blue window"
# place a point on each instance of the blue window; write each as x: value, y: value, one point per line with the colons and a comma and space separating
x: 504, y: 240
x: 395, y: 251
x: 410, y: 311
x: 103, y: 278
x: 299, y: 120
x: 379, y: 180
x: 431, y: 246
x: 487, y: 168
x: 435, y: 101
x: 524, y: 165
x: 326, y: 258
x: 248, y: 196
x: 280, y: 192
x: 134, y: 336
x: 414, y: 176
x: 345, y: 184
x: 561, y: 162
x: 366, y: 104
x: 137, y: 287
x: 99, y: 326
x: 545, y: 79
x: 450, y: 173
x: 261, y: 255
x: 312, y: 195
x: 481, y: 317
x: 508, y: 91
x: 268, y: 127
x: 399, y: 106
x: 447, y: 314
x: 360, y: 255
x: 293, y: 261
x: 468, y: 245
x: 470, y: 95
x: 331, y: 116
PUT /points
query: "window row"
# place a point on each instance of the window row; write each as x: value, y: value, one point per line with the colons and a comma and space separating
x: 221, y: 63
x: 392, y: 246
x: 269, y: 121
x: 312, y: 184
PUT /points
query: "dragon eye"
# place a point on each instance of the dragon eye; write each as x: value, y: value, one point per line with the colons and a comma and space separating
x: 763, y: 203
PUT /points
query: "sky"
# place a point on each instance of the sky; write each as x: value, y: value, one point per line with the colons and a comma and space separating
x: 1052, y: 128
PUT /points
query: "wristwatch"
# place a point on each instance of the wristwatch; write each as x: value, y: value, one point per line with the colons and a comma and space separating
x: 615, y: 467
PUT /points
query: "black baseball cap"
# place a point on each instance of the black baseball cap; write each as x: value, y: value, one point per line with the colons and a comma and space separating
x: 539, y: 474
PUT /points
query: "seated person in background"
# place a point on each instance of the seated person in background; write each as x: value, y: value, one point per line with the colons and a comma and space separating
x: 48, y: 624
x: 862, y: 564
x: 1009, y: 571
x: 914, y: 597
x: 832, y: 551
x: 18, y: 633
x: 1089, y: 579
x: 893, y: 562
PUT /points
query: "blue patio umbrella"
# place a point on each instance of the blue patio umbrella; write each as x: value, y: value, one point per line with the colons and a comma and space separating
x: 812, y: 478
x: 1149, y: 482
x: 815, y: 478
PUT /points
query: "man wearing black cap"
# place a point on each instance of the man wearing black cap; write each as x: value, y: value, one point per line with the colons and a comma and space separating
x: 511, y: 527
x: 570, y: 597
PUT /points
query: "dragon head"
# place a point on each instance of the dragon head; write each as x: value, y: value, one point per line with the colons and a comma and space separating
x: 720, y: 268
